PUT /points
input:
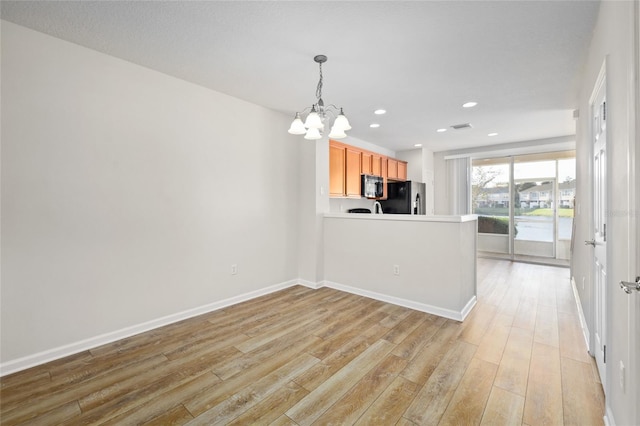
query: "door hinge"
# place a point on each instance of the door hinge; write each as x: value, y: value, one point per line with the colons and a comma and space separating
x: 604, y: 232
x: 604, y: 111
x: 605, y: 354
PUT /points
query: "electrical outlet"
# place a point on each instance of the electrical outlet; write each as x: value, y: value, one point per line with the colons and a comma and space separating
x: 622, y: 376
x: 234, y: 269
x: 396, y: 269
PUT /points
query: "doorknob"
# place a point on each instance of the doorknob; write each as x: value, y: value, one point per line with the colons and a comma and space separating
x: 629, y: 287
x: 592, y: 242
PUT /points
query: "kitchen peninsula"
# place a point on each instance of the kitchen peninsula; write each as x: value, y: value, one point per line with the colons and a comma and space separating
x: 427, y: 263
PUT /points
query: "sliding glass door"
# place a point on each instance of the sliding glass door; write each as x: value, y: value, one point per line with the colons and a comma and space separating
x: 525, y: 204
x: 535, y: 202
x: 491, y: 201
x: 535, y: 218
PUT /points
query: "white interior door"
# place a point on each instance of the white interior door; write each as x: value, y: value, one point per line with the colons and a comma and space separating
x: 599, y: 242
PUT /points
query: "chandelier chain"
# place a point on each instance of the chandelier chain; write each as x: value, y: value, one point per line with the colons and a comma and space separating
x: 319, y: 88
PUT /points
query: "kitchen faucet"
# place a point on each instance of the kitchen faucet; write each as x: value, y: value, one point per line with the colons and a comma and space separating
x: 377, y: 208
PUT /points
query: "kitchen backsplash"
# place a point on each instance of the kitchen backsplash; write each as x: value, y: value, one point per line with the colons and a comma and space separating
x: 342, y: 205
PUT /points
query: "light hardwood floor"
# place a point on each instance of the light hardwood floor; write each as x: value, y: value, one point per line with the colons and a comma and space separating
x: 302, y: 357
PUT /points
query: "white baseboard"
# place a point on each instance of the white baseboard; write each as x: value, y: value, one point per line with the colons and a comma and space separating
x: 608, y: 416
x: 423, y: 307
x: 583, y: 320
x: 468, y: 307
x: 93, y: 342
x: 311, y: 284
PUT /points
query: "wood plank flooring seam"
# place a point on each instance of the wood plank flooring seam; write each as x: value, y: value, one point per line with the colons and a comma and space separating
x: 321, y: 398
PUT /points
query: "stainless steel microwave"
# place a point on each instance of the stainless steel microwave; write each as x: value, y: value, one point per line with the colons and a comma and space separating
x: 372, y: 186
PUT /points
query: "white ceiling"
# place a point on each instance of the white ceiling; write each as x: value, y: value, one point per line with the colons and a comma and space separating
x: 419, y: 60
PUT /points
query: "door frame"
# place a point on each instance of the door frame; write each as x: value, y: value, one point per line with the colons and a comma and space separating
x: 633, y: 378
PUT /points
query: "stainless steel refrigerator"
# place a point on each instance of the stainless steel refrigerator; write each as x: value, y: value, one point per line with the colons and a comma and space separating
x: 405, y: 198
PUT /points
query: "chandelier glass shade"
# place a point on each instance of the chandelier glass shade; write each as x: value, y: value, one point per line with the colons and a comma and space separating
x: 319, y: 115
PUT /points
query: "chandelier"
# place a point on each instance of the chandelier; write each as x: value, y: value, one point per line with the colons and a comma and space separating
x: 313, y: 126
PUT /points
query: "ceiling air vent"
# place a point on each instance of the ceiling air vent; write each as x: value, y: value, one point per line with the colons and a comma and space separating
x: 461, y: 126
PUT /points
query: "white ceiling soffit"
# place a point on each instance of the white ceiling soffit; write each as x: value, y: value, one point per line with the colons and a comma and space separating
x: 420, y: 60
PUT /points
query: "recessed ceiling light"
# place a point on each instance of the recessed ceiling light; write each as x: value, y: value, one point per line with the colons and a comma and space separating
x: 469, y: 104
x: 418, y: 145
x: 441, y: 130
x: 374, y: 125
x: 492, y: 134
x: 380, y: 111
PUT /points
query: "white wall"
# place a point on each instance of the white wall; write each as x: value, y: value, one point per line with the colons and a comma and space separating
x: 314, y: 203
x: 349, y: 140
x: 612, y: 39
x: 127, y: 195
x: 307, y: 239
x: 428, y: 177
x: 440, y: 192
x: 413, y: 157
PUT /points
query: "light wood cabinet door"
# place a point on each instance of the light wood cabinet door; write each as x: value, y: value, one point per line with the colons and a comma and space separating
x: 365, y: 166
x: 347, y: 164
x: 392, y: 169
x: 376, y: 165
x: 352, y: 178
x: 402, y: 170
x: 383, y: 172
x: 336, y: 171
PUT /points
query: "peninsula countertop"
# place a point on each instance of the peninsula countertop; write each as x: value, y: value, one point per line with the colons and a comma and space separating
x: 405, y: 217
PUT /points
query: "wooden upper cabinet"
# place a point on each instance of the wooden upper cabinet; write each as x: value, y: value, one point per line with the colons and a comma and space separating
x: 402, y: 170
x: 347, y: 163
x: 383, y: 171
x: 336, y: 170
x: 392, y: 169
x: 366, y: 163
x: 352, y: 177
x: 376, y: 165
